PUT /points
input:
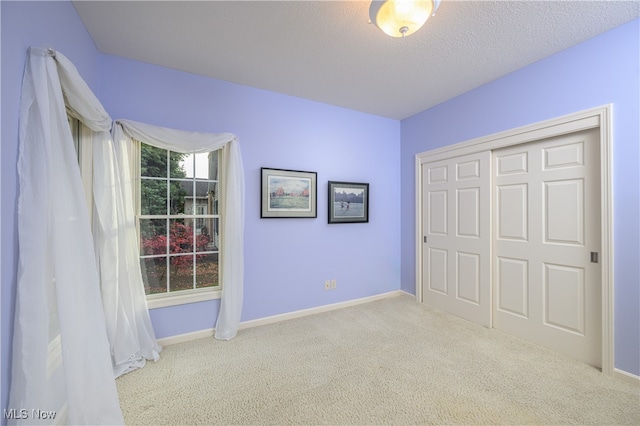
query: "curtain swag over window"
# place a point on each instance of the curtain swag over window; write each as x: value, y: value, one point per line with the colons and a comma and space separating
x: 125, y: 131
x: 82, y: 318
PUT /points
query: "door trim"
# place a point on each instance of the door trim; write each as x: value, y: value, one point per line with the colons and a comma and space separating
x: 599, y: 117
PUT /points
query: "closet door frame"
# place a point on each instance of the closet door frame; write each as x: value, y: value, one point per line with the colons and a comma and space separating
x: 599, y: 117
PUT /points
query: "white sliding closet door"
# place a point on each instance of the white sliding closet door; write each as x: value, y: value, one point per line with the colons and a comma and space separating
x: 547, y: 288
x: 457, y: 238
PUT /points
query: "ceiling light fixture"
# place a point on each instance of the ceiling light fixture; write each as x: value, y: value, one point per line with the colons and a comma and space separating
x: 400, y: 18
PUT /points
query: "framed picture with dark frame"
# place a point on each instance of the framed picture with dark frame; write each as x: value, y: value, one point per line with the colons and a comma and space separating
x: 348, y: 202
x: 288, y: 193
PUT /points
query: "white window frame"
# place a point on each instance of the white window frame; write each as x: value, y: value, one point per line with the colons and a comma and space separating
x: 83, y: 142
x: 161, y: 300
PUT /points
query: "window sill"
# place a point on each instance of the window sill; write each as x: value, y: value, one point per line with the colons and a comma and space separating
x: 154, y: 302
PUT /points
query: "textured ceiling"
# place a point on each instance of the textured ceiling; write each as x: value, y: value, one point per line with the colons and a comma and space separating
x: 328, y: 52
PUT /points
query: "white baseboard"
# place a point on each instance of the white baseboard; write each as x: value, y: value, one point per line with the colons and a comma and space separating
x: 186, y: 337
x: 181, y: 338
x: 406, y: 293
x: 627, y: 377
x: 317, y: 310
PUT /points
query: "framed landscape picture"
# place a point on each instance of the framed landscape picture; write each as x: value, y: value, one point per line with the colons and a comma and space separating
x: 348, y: 202
x: 288, y: 193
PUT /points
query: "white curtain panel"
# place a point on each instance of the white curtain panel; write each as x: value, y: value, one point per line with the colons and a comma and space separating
x: 128, y: 323
x: 61, y: 351
x: 232, y: 226
x: 75, y: 308
x: 129, y: 326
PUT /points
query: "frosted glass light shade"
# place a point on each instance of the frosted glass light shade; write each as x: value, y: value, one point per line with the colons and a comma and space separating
x: 400, y: 18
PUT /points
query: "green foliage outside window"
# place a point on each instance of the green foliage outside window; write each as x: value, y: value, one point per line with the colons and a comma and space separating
x: 153, y: 164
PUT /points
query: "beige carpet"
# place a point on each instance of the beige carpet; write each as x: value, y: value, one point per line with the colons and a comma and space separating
x: 391, y: 362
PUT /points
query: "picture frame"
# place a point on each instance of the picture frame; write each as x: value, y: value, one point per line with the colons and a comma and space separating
x: 348, y: 202
x: 288, y: 193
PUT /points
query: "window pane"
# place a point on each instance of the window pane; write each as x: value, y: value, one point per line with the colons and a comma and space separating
x: 216, y: 234
x: 181, y: 252
x: 181, y: 273
x: 153, y: 197
x: 207, y: 237
x: 202, y: 230
x: 153, y: 236
x: 206, y: 270
x: 181, y: 196
x: 153, y: 161
x: 206, y: 165
x: 181, y: 165
x: 203, y: 238
x: 154, y: 275
x: 214, y: 164
x: 181, y: 236
x: 201, y: 196
x: 213, y: 197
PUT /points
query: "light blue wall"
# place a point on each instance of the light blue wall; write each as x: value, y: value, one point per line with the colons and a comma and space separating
x: 599, y: 71
x: 25, y: 24
x: 286, y: 260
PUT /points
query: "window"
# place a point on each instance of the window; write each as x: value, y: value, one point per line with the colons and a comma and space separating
x: 178, y: 221
x: 84, y: 151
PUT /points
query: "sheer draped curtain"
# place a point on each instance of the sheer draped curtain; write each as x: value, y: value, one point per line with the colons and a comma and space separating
x: 81, y: 314
x: 61, y: 359
x: 232, y: 259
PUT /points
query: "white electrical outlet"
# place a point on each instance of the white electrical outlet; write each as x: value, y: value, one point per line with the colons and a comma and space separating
x: 333, y: 283
x: 327, y: 285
